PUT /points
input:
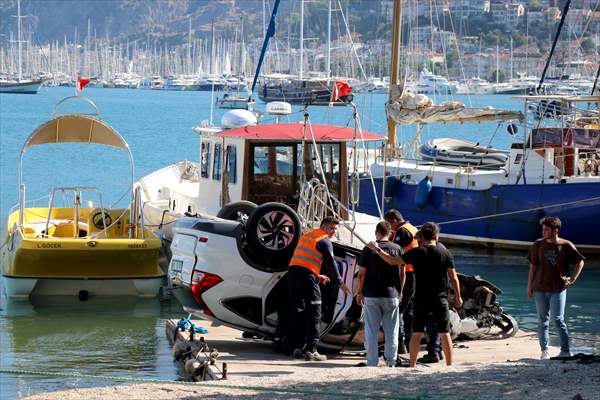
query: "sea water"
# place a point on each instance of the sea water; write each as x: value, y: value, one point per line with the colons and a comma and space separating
x: 125, y: 337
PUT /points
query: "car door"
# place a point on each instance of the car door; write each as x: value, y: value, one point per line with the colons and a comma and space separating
x: 343, y: 301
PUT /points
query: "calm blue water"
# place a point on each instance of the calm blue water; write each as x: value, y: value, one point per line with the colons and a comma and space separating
x: 126, y: 336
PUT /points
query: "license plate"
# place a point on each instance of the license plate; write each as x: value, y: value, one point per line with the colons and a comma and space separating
x: 176, y: 267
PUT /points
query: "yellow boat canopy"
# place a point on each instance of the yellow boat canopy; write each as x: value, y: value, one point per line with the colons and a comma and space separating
x: 76, y: 128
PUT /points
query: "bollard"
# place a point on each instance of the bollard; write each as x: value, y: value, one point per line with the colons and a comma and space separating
x: 224, y: 370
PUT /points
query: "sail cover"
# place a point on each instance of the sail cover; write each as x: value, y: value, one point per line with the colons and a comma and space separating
x: 406, y: 107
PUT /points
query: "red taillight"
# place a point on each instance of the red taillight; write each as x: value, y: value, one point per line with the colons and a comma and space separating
x: 202, y: 239
x: 201, y: 282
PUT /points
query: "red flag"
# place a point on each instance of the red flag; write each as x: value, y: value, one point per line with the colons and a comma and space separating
x: 81, y: 82
x: 340, y: 90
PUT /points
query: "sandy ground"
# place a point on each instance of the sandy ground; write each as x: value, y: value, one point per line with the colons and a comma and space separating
x: 484, y: 369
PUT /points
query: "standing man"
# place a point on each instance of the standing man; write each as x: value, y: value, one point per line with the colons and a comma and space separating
x: 433, y: 265
x: 379, y: 287
x: 313, y: 251
x: 403, y: 234
x: 550, y: 259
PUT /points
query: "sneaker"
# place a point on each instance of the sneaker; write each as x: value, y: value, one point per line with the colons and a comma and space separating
x: 297, y: 354
x: 544, y: 355
x: 565, y: 354
x: 314, y: 356
x: 429, y: 358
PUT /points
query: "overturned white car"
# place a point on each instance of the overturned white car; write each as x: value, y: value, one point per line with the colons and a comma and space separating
x: 234, y: 272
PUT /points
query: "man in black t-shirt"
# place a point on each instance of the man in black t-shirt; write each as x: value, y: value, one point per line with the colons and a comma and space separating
x: 379, y: 287
x: 433, y: 265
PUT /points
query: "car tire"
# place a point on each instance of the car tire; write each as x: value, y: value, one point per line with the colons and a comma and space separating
x: 237, y: 211
x: 273, y: 230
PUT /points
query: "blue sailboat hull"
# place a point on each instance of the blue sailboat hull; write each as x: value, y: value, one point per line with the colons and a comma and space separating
x: 521, y: 207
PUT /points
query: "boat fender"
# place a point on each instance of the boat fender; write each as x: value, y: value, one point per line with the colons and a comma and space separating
x: 423, y: 192
x: 355, y: 188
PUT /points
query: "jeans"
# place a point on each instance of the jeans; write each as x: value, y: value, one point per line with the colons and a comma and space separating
x: 433, y: 343
x: 552, y: 306
x: 381, y: 311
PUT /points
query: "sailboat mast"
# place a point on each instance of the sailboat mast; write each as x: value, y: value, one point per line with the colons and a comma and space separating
x: 301, y: 38
x: 395, y: 63
x: 497, y: 62
x: 511, y: 58
x: 329, y: 42
x: 19, y: 43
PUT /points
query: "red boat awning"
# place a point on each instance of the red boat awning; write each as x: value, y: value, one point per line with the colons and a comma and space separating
x: 322, y: 133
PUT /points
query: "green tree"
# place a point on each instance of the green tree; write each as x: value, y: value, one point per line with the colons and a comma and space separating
x: 534, y: 5
x: 451, y: 57
x: 588, y: 45
x: 501, y: 76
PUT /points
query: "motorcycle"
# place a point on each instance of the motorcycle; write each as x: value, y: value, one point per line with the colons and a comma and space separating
x: 481, y: 316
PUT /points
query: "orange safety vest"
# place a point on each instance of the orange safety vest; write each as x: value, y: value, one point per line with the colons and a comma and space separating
x: 412, y: 230
x: 306, y: 254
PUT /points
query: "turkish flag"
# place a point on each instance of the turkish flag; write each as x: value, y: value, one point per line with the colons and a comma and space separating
x: 81, y: 82
x: 340, y: 90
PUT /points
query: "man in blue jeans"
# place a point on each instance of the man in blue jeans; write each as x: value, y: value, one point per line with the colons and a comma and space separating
x: 378, y: 291
x: 554, y: 265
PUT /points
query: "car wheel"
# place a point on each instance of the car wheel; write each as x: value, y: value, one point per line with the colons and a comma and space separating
x: 273, y: 229
x: 507, y: 324
x: 237, y: 211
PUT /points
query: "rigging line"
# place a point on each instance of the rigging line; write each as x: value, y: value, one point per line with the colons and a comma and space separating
x: 462, y: 69
x: 520, y: 211
x: 205, y: 384
x: 437, y: 16
x: 554, y: 42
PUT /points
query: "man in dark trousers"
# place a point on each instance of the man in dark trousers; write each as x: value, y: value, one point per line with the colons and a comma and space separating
x: 433, y: 265
x: 313, y: 251
x: 378, y: 290
x: 405, y: 235
x: 550, y: 274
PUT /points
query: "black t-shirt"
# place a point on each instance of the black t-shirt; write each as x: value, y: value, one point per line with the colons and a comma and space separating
x: 403, y: 237
x: 381, y: 278
x: 431, y: 265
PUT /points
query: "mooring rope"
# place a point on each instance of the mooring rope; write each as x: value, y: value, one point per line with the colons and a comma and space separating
x: 519, y: 211
x: 360, y: 395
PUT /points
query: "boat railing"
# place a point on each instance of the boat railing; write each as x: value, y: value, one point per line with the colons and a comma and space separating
x: 32, y: 202
x: 316, y: 202
x: 77, y: 191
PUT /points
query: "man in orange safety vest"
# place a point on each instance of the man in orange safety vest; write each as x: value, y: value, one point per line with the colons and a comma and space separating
x: 314, y: 251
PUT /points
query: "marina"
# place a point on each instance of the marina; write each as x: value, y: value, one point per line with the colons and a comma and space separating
x: 148, y: 316
x: 261, y: 235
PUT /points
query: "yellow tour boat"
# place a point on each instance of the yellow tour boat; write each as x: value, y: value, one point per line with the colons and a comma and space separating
x: 77, y: 250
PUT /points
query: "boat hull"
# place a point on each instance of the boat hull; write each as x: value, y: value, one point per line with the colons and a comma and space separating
x: 66, y: 266
x: 471, y: 217
x: 31, y: 87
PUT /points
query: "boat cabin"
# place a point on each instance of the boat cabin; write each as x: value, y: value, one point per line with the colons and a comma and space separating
x: 270, y: 162
x: 568, y: 137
